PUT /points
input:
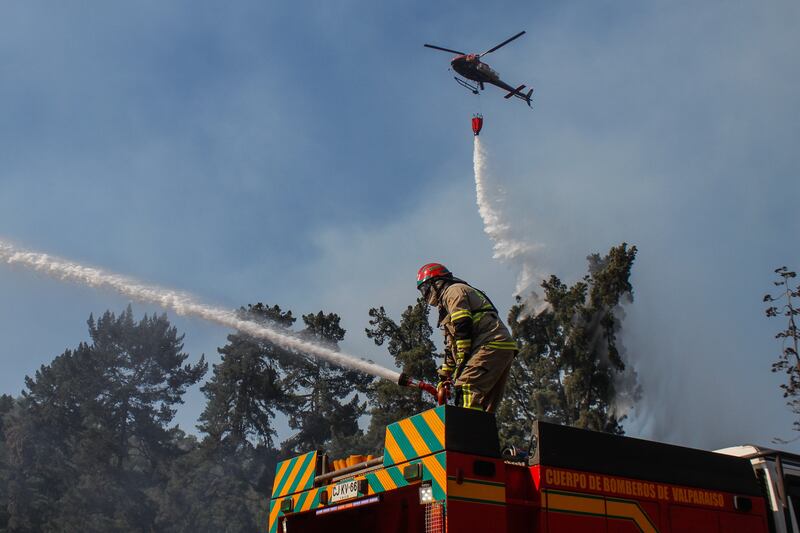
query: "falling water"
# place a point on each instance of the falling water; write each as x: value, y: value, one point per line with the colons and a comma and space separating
x: 183, y: 304
x: 506, y: 247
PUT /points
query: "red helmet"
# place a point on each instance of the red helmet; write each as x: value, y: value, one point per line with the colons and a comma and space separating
x: 431, y: 271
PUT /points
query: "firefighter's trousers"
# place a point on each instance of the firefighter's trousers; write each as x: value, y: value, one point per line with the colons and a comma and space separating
x: 480, y: 385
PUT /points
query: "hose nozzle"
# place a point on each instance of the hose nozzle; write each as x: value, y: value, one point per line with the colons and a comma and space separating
x: 404, y: 380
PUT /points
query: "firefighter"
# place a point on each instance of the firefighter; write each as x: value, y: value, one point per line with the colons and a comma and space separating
x: 478, y: 348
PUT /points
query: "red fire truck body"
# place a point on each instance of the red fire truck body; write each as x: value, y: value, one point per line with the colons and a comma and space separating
x: 442, y: 471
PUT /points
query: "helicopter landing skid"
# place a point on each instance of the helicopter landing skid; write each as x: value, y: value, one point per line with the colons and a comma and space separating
x: 472, y: 88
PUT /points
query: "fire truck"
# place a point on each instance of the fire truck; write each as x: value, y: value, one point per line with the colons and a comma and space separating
x: 442, y: 470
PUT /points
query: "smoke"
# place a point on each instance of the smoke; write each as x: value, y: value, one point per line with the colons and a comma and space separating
x: 627, y: 389
x: 183, y: 304
x: 510, y: 248
x: 507, y: 247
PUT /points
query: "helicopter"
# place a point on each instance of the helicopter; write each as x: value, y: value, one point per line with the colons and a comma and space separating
x: 472, y: 68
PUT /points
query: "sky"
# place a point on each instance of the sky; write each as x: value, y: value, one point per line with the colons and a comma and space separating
x: 314, y: 155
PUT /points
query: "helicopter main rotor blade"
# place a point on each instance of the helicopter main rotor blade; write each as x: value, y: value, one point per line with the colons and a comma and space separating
x: 489, y: 51
x: 444, y: 49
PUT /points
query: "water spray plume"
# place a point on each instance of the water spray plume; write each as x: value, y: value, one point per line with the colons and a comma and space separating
x: 506, y: 247
x: 183, y: 304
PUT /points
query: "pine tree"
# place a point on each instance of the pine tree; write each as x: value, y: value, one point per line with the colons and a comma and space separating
x: 413, y: 350
x: 570, y: 368
x: 141, y: 372
x: 246, y: 389
x: 88, y: 440
x: 238, y: 455
x: 322, y: 407
x: 257, y: 378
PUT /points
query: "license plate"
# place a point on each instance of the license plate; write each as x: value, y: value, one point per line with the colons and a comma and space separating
x: 344, y: 491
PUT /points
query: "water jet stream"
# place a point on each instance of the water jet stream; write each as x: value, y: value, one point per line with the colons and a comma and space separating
x: 183, y: 304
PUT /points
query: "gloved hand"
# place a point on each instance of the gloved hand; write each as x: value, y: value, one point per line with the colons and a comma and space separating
x: 445, y: 373
x: 447, y: 383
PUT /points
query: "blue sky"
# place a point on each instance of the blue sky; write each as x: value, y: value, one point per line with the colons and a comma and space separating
x: 314, y: 155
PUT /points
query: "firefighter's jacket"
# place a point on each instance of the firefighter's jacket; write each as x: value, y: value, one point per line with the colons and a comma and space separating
x: 469, y: 321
